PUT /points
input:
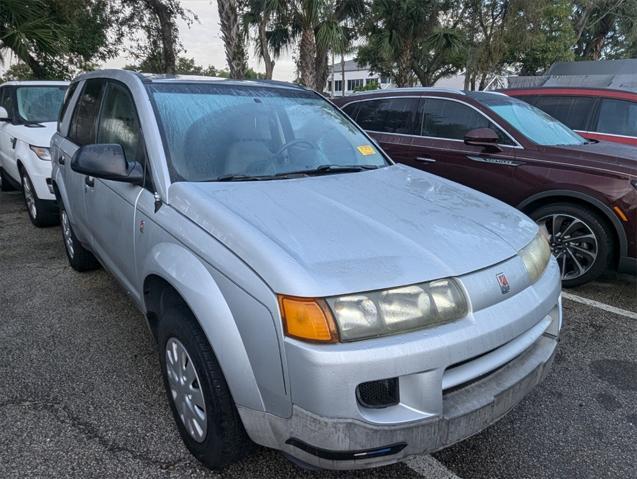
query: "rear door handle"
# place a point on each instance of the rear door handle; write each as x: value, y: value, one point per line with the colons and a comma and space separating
x: 422, y: 159
x: 89, y: 181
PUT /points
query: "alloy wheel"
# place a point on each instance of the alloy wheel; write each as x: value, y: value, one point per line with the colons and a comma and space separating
x: 29, y: 196
x: 66, y: 232
x: 573, y: 244
x: 185, y: 389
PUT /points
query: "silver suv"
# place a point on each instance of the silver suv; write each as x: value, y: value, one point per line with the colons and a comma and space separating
x: 305, y: 292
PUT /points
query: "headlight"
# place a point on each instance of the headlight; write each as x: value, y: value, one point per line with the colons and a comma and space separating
x: 536, y: 255
x: 380, y: 313
x: 41, y: 152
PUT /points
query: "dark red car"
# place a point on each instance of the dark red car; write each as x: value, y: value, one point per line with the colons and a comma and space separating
x: 595, y: 113
x: 584, y: 191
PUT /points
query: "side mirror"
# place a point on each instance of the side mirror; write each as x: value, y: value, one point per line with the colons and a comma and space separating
x: 484, y: 137
x: 4, y: 114
x: 107, y: 162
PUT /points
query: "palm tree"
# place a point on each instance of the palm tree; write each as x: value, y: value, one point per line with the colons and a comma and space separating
x: 233, y: 38
x: 268, y: 18
x: 321, y: 26
x: 28, y: 32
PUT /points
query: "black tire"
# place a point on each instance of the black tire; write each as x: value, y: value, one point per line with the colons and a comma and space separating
x: 225, y: 440
x: 79, y: 257
x: 599, y: 227
x: 41, y: 213
x: 5, y: 182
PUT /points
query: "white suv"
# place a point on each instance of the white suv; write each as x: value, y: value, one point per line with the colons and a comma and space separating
x: 28, y: 118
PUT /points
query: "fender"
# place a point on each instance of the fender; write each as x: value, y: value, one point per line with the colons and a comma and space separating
x: 186, y: 273
x: 608, y: 213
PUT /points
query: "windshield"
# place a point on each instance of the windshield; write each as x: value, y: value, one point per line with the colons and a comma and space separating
x: 39, y: 104
x: 533, y: 123
x: 227, y: 132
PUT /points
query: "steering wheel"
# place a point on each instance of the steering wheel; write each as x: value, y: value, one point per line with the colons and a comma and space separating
x: 292, y: 143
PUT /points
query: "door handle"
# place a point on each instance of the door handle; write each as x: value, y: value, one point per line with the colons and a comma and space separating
x: 62, y: 159
x: 89, y: 181
x: 422, y: 159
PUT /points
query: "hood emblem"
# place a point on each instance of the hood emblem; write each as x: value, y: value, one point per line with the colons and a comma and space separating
x: 505, y: 287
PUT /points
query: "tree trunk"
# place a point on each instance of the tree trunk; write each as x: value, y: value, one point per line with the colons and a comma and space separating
x: 342, y: 74
x: 307, y: 56
x: 333, y: 74
x: 265, y: 51
x: 403, y: 74
x: 168, y: 34
x: 233, y: 38
x: 321, y: 67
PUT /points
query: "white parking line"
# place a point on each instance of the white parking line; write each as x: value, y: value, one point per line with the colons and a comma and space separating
x: 430, y: 468
x: 597, y: 304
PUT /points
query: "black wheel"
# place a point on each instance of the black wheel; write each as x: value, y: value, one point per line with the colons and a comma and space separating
x: 5, y: 183
x: 204, y: 411
x: 79, y: 257
x: 41, y: 213
x: 580, y: 239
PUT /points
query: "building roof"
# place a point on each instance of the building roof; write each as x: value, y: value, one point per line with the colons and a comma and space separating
x: 350, y: 66
x: 615, y: 74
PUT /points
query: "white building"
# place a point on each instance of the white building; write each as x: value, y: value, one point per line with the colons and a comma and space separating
x: 358, y: 76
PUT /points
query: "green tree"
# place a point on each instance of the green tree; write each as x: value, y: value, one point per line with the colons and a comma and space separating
x: 408, y: 41
x: 28, y: 31
x: 268, y: 19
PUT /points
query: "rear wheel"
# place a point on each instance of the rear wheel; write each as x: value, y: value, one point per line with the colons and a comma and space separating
x: 79, y: 257
x: 205, y: 413
x: 41, y: 213
x: 580, y: 240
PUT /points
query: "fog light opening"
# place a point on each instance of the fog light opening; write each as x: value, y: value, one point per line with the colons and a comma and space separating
x: 378, y: 394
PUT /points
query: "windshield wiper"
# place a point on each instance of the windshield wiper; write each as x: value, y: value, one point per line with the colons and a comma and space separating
x: 327, y: 170
x: 320, y: 170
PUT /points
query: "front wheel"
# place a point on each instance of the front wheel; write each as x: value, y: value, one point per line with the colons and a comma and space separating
x: 41, y: 213
x: 205, y: 413
x: 580, y: 240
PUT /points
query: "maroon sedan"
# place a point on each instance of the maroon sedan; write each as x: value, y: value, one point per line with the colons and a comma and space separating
x: 583, y: 191
x: 595, y: 113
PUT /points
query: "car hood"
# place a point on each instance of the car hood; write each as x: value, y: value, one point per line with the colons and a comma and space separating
x: 38, y: 135
x: 606, y: 155
x: 328, y: 235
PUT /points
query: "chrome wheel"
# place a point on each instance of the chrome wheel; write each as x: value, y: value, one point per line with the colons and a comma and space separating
x: 68, y: 235
x: 185, y: 389
x: 29, y: 196
x: 573, y: 244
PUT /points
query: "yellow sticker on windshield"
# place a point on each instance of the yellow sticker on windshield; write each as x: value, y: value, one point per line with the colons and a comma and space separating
x: 366, y: 150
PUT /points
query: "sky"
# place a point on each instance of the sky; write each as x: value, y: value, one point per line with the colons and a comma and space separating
x: 202, y: 41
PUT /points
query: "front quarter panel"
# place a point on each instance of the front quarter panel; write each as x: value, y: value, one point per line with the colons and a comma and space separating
x: 230, y: 302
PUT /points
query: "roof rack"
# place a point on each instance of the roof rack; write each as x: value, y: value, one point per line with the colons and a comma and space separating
x: 456, y: 91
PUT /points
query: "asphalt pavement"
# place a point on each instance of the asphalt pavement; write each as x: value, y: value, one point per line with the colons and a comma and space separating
x: 81, y: 393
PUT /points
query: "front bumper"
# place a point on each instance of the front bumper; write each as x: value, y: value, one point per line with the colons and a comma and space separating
x: 40, y: 173
x: 454, y: 380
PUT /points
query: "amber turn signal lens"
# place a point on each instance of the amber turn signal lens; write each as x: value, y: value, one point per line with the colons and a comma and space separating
x: 308, y: 319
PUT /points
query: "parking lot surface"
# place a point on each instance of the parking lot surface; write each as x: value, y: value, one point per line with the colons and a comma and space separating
x: 81, y: 393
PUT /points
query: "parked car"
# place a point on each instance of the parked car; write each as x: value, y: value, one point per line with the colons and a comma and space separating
x: 584, y: 192
x: 302, y: 288
x: 28, y: 117
x: 594, y: 113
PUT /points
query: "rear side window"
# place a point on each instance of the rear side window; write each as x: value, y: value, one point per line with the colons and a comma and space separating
x: 617, y: 117
x: 84, y: 122
x: 6, y: 99
x: 389, y: 115
x: 67, y: 99
x: 573, y: 111
x: 351, y: 110
x: 453, y: 120
x: 118, y: 122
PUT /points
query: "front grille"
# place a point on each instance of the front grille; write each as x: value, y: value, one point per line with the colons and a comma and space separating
x: 378, y: 394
